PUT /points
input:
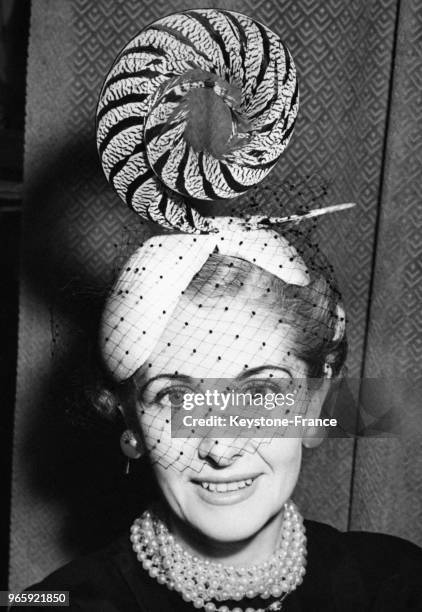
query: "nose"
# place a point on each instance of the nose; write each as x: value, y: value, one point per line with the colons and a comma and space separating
x: 220, y: 452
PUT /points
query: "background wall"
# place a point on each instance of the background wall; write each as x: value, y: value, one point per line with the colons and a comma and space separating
x: 14, y: 26
x: 357, y: 139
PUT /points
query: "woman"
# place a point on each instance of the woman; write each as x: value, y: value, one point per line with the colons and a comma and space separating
x: 237, y: 311
x: 224, y: 534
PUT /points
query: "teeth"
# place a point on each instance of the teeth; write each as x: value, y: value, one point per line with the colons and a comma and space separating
x: 223, y: 487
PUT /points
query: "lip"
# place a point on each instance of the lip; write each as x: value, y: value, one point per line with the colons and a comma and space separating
x: 226, y: 498
x: 228, y: 479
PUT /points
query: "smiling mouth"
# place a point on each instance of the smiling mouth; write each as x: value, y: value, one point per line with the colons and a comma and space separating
x: 225, y: 487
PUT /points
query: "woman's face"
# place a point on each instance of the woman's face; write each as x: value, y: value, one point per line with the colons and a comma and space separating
x: 227, y: 489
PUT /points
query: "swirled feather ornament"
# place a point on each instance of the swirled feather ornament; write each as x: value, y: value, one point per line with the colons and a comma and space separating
x: 146, y: 102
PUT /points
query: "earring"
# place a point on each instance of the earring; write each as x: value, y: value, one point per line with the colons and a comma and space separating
x: 314, y: 437
x: 130, y: 445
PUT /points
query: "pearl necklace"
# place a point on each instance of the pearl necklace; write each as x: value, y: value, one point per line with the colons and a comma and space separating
x: 200, y: 581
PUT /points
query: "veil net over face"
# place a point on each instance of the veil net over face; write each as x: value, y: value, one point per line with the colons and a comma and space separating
x: 230, y: 302
x: 246, y: 311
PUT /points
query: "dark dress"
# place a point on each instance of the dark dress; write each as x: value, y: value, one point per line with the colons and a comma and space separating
x: 351, y: 571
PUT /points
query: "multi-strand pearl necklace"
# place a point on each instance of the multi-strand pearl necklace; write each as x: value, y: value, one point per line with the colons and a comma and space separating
x: 201, y: 581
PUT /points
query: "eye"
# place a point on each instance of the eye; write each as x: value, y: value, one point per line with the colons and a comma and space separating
x: 172, y: 396
x: 258, y: 388
x: 262, y: 387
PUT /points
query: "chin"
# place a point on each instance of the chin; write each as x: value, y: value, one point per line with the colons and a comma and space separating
x: 231, y: 529
x: 230, y: 523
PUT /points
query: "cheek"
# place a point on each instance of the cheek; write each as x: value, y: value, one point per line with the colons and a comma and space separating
x: 284, y: 457
x: 165, y: 451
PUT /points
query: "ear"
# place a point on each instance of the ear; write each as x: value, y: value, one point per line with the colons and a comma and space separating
x: 313, y: 435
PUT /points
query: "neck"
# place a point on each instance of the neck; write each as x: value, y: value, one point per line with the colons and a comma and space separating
x: 251, y: 551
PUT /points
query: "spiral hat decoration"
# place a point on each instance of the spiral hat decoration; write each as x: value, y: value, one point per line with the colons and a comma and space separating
x: 144, y: 110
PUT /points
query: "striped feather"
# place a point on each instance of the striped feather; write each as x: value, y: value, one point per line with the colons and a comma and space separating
x: 142, y: 112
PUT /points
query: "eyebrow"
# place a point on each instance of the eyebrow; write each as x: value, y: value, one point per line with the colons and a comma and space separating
x: 260, y: 369
x: 183, y: 377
